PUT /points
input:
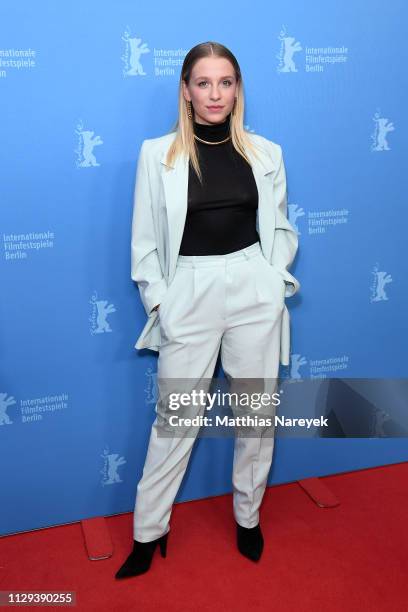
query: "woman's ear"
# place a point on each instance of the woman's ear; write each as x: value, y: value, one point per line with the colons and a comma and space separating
x: 185, y: 91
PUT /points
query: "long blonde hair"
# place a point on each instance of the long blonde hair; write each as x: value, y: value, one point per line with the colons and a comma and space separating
x: 184, y: 142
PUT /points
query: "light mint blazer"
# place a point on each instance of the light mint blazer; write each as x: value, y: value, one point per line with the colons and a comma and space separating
x: 159, y: 213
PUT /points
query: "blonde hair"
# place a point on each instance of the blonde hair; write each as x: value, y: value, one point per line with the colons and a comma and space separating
x: 184, y: 142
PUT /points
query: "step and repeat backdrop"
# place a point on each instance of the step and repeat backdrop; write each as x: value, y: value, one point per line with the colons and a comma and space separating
x: 82, y: 85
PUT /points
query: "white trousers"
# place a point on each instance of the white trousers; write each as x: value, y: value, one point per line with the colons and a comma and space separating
x: 233, y: 302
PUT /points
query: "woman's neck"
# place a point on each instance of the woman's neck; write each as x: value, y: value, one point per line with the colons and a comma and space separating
x: 214, y: 132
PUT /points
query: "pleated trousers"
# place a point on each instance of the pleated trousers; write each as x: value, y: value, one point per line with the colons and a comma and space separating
x: 233, y: 303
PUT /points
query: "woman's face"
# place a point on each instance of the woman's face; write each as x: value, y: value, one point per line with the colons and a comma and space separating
x: 212, y: 84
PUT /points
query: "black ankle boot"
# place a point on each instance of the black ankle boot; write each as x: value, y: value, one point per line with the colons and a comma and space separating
x: 139, y: 560
x: 250, y: 542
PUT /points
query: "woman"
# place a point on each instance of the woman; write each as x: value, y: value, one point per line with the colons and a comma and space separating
x: 211, y: 245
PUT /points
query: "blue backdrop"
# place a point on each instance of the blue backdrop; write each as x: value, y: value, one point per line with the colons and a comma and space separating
x: 82, y: 85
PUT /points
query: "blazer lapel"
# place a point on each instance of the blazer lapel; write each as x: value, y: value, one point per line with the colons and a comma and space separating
x: 175, y: 182
x: 261, y: 168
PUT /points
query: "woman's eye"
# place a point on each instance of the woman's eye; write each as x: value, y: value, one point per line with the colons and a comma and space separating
x: 226, y: 81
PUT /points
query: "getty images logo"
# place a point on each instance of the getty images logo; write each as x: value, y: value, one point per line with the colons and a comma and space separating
x: 87, y: 141
x: 133, y: 52
x: 380, y: 280
x: 381, y: 129
x: 100, y: 311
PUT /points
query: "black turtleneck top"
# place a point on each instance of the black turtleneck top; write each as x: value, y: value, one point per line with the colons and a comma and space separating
x: 221, y: 213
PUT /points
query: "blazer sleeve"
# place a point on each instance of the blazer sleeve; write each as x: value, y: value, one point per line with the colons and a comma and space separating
x: 145, y: 265
x: 285, y: 242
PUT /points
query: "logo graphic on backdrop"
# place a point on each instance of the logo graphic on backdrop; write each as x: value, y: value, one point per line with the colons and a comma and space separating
x: 18, y: 246
x: 314, y: 59
x: 111, y: 463
x: 5, y: 402
x: 133, y: 52
x: 318, y: 368
x: 380, y: 280
x: 151, y: 390
x: 87, y: 141
x: 165, y: 61
x: 321, y: 221
x: 379, y: 422
x: 296, y: 362
x: 17, y: 60
x: 100, y: 309
x: 381, y: 128
x: 294, y: 212
x: 289, y: 46
x: 32, y: 409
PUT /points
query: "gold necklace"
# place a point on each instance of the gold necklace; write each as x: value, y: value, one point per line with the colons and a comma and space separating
x: 212, y: 143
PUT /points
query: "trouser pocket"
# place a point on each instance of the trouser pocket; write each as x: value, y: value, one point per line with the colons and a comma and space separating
x: 270, y: 286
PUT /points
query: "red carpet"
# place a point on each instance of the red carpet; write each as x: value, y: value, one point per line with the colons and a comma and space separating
x: 353, y: 557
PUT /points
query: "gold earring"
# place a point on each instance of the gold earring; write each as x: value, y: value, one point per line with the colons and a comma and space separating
x: 189, y: 111
x: 233, y: 108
